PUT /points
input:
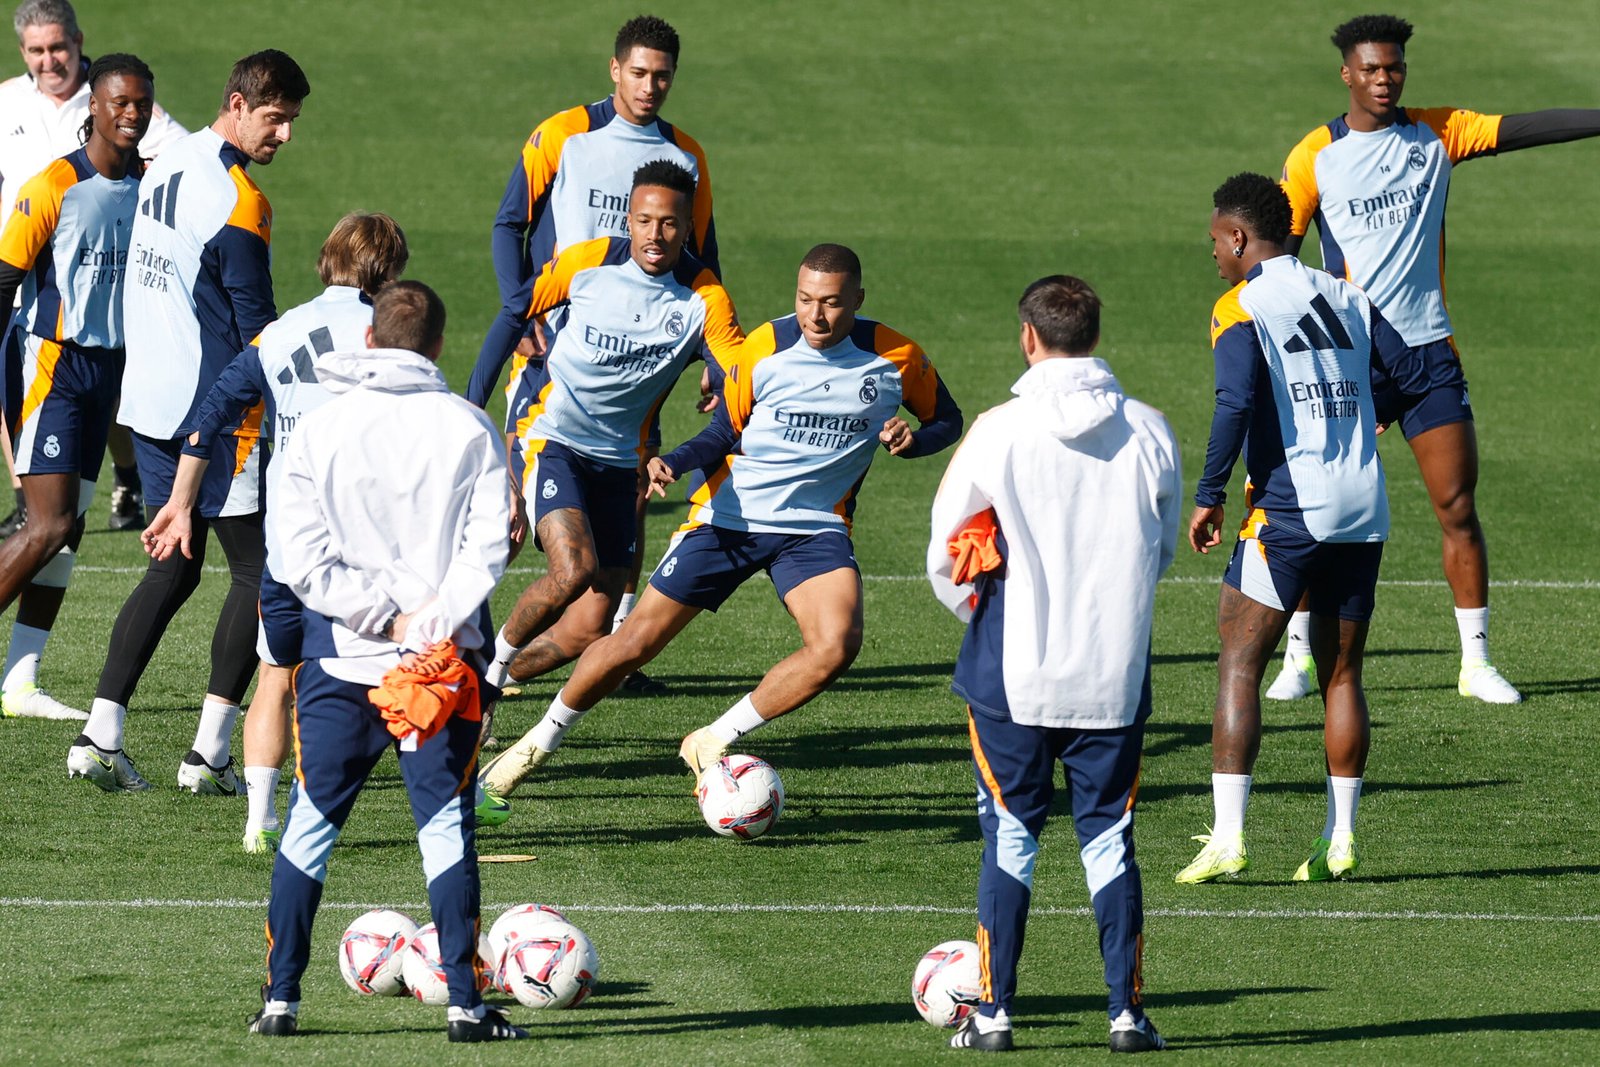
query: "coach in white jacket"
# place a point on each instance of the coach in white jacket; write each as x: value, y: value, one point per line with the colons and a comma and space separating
x: 392, y: 515
x: 1055, y: 519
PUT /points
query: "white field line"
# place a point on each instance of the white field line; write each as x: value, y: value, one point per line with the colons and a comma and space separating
x: 237, y: 904
x: 1428, y: 583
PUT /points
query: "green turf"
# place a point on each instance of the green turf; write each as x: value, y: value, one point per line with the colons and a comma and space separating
x: 964, y: 150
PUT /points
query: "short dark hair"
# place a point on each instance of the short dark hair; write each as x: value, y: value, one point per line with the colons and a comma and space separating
x: 667, y: 174
x: 833, y: 259
x: 407, y: 315
x: 1258, y: 202
x: 1064, y: 311
x: 266, y: 77
x: 649, y: 32
x: 1374, y: 29
x: 105, y: 67
x: 363, y: 251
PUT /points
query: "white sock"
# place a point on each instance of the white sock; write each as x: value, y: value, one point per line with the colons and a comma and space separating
x: 215, y: 733
x: 1474, y: 626
x: 1344, y: 795
x: 558, y: 719
x: 1230, y: 795
x: 261, y: 788
x: 22, y: 658
x: 741, y: 719
x: 1001, y: 1021
x: 504, y: 651
x: 460, y: 1015
x: 624, y: 606
x: 1300, y: 634
x: 104, y: 727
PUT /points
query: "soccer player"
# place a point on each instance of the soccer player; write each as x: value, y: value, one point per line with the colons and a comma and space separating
x: 805, y: 407
x: 361, y: 254
x: 378, y: 585
x: 65, y: 248
x: 44, y: 113
x: 199, y: 288
x: 1375, y: 180
x: 639, y: 308
x: 1055, y: 667
x: 1306, y: 370
x: 572, y: 184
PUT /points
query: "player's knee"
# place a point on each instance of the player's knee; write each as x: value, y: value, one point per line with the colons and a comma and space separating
x: 837, y: 649
x: 570, y: 576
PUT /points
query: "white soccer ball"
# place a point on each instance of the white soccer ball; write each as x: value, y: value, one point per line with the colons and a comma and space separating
x: 512, y: 925
x: 424, y: 974
x: 740, y: 796
x: 371, y: 951
x: 553, y: 966
x: 945, y: 987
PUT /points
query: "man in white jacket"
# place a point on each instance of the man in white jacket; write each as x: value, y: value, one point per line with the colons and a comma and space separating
x: 391, y: 513
x: 1055, y: 519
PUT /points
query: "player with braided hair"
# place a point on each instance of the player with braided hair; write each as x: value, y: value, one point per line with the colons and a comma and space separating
x: 65, y: 247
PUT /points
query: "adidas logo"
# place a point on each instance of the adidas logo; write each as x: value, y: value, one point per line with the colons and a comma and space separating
x: 1334, y: 337
x: 321, y: 342
x: 18, y: 132
x: 162, y: 203
x: 25, y: 206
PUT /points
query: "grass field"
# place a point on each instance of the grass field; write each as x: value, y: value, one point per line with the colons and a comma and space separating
x: 963, y: 150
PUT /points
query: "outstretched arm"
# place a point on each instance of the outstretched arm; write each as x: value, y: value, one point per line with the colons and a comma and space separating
x: 1554, y: 126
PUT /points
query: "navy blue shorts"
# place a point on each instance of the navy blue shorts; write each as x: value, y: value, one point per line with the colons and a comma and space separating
x: 557, y: 477
x: 232, y: 484
x: 704, y: 566
x: 1274, y: 566
x: 60, y: 398
x: 1447, y: 400
x: 282, y: 629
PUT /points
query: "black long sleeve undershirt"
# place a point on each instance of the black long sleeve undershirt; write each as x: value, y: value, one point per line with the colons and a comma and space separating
x: 1554, y: 126
x: 10, y: 281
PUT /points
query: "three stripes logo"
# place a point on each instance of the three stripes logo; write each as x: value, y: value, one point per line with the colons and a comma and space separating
x: 25, y: 206
x: 162, y: 203
x: 1327, y: 337
x: 301, y: 361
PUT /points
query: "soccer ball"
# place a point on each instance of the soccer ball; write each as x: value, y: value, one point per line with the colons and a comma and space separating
x: 553, y: 965
x: 740, y: 796
x: 424, y: 974
x: 371, y: 950
x: 945, y: 987
x: 510, y: 928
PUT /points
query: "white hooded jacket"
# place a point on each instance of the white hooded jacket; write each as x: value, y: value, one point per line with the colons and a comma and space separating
x: 1085, y: 484
x: 393, y: 497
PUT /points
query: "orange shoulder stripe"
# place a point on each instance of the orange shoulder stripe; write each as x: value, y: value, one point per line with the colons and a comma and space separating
x: 702, y: 186
x: 919, y: 382
x: 36, y: 214
x: 1300, y: 178
x: 723, y: 334
x: 251, y: 212
x: 553, y: 286
x: 1465, y: 133
x: 541, y: 152
x: 1227, y: 312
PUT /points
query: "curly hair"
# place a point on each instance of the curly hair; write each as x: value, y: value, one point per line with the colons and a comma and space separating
x: 1374, y: 29
x: 1258, y: 202
x: 647, y: 31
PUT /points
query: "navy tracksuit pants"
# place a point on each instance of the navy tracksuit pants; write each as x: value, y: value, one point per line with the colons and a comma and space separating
x: 1015, y: 768
x: 338, y: 738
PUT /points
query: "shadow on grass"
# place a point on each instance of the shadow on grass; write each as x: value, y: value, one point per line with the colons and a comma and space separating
x: 1034, y: 1013
x: 1553, y: 686
x: 1521, y: 1022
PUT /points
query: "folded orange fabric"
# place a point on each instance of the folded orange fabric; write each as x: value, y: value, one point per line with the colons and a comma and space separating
x: 974, y: 549
x: 424, y: 690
